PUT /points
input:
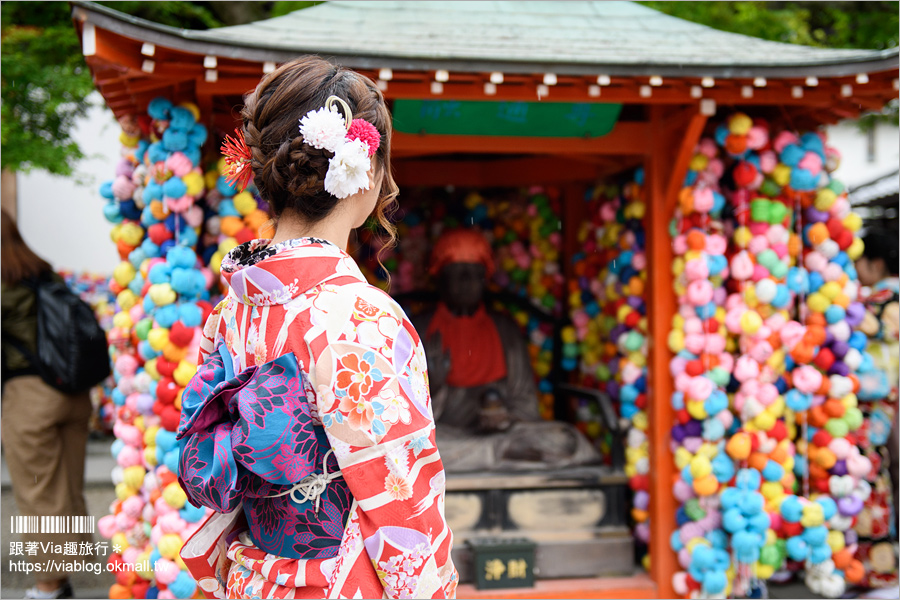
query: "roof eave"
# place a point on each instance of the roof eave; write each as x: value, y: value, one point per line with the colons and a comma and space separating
x: 203, y: 43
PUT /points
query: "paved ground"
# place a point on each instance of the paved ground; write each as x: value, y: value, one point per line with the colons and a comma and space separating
x: 99, y: 493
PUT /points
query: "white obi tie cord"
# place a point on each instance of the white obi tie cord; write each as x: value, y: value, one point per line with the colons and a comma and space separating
x: 312, y: 486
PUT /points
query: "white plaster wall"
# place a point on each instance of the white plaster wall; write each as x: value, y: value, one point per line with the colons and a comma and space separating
x: 61, y: 219
x: 855, y: 168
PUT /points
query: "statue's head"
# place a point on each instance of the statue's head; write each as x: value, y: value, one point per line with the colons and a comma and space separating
x: 462, y: 261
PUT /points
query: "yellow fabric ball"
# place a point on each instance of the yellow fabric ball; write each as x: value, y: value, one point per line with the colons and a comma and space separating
x: 174, y: 495
x: 853, y: 222
x: 824, y: 199
x: 158, y: 338
x: 122, y: 320
x: 740, y: 124
x: 856, y: 249
x: 133, y: 476
x: 150, y: 369
x: 194, y: 182
x: 183, y: 373
x: 169, y: 545
x: 121, y: 540
x: 124, y: 273
x: 818, y: 302
x: 126, y: 299
x: 162, y: 294
x: 699, y: 162
x: 245, y: 203
x: 781, y: 174
x: 131, y: 234
x: 123, y: 492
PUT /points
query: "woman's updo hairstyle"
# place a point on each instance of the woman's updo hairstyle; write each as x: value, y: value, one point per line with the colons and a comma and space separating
x: 289, y: 174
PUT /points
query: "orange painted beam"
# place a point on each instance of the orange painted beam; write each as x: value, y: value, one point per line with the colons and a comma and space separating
x: 501, y: 172
x: 626, y: 138
x: 636, y: 587
x: 666, y: 168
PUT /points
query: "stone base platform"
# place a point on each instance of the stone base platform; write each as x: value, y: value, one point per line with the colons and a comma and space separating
x: 576, y: 516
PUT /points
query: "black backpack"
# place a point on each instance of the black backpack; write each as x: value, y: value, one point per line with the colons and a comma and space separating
x: 72, y: 353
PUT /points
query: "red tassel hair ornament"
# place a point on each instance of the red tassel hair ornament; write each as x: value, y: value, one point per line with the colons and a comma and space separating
x: 237, y: 158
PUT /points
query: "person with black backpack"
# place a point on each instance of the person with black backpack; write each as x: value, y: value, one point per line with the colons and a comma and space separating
x: 52, y: 354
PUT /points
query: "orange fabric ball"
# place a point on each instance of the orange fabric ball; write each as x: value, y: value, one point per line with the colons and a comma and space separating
x: 119, y: 592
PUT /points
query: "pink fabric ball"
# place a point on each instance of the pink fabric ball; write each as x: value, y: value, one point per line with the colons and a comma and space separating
x: 807, y: 379
x: 126, y: 365
x: 166, y: 571
x: 746, y: 368
x: 708, y: 147
x: 814, y: 261
x: 682, y: 491
x: 700, y: 292
x: 106, y: 526
x: 124, y: 522
x: 811, y: 162
x: 703, y: 200
x: 124, y: 167
x: 757, y: 137
x: 759, y: 273
x: 742, y: 266
x: 123, y: 188
x: 757, y: 244
x: 179, y: 164
x: 716, y: 244
x: 784, y: 139
x: 677, y: 366
x: 768, y: 161
x: 194, y: 216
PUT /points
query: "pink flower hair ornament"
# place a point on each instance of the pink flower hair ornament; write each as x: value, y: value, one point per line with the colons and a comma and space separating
x: 353, y: 142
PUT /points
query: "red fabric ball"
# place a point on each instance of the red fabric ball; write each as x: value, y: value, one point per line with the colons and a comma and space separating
x: 744, y: 173
x: 824, y: 359
x: 166, y: 368
x: 166, y: 390
x: 180, y: 335
x: 170, y: 418
x: 821, y: 438
x: 245, y: 235
x: 159, y: 234
x: 791, y: 529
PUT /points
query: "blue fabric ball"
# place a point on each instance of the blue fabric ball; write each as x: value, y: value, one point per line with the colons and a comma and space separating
x: 792, y: 155
x: 181, y: 119
x: 112, y: 213
x: 797, y: 549
x: 190, y: 314
x: 106, y: 190
x: 174, y: 188
x: 733, y: 521
x: 156, y: 152
x: 167, y: 315
x: 160, y: 273
x: 159, y: 108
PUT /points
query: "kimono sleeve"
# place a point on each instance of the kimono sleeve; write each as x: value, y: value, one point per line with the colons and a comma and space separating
x: 373, y: 400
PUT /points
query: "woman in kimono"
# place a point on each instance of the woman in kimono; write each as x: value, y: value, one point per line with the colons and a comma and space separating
x: 311, y: 412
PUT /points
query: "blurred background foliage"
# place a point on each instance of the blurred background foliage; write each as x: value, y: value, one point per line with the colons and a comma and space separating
x: 46, y: 83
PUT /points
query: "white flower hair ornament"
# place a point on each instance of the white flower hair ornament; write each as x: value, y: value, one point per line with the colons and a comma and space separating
x: 352, y: 141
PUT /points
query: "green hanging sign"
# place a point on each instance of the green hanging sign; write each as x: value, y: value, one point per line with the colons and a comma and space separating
x: 533, y: 119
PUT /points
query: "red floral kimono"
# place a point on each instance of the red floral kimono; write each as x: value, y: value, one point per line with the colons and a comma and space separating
x: 364, y: 370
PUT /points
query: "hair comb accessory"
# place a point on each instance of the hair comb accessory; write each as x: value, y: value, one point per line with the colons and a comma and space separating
x: 237, y: 158
x: 352, y: 141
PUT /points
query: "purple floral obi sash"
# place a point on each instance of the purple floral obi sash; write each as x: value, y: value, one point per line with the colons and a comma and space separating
x: 249, y: 437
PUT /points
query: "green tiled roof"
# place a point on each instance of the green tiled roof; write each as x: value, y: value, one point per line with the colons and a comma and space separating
x: 616, y: 38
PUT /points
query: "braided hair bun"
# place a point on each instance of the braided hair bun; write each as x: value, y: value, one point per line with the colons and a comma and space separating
x: 290, y: 174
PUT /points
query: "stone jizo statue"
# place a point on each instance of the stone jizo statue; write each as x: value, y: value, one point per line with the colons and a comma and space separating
x: 483, y: 392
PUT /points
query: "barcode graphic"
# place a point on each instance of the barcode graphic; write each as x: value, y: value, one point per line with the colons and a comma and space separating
x: 70, y: 524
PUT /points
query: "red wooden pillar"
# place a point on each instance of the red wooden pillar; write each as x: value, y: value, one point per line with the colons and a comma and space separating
x: 667, y: 163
